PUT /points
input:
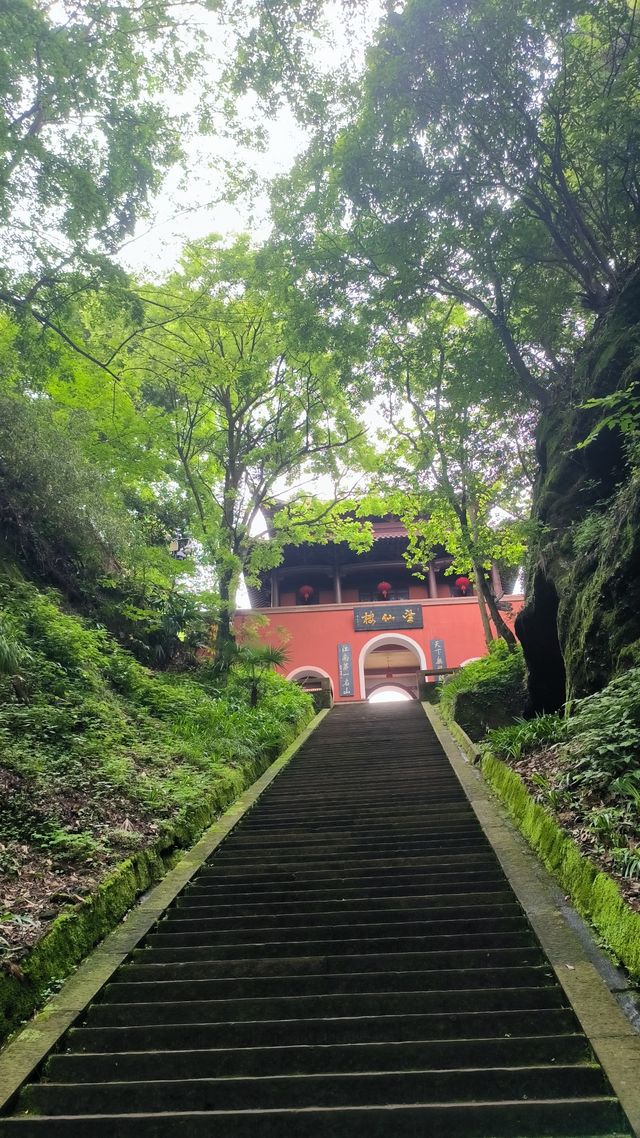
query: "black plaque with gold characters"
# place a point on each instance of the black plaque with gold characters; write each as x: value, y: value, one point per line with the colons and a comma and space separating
x: 384, y: 618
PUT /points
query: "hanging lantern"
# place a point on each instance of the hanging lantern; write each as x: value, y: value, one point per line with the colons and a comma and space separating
x: 383, y: 588
x: 305, y: 592
x: 463, y: 584
x: 388, y: 674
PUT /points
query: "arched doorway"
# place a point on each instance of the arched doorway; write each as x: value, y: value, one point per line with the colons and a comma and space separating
x: 309, y: 678
x: 390, y: 660
x: 389, y: 693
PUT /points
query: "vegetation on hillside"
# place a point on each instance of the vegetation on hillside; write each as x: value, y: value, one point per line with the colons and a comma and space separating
x: 99, y: 757
x: 486, y: 693
x: 584, y: 768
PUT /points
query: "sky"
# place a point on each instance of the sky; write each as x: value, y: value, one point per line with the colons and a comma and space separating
x: 185, y: 212
x: 195, y: 206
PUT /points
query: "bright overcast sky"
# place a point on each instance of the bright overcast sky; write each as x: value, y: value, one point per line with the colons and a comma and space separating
x: 194, y: 207
x: 186, y: 212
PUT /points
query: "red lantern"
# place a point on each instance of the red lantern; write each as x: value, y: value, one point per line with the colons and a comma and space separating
x: 463, y: 584
x: 305, y: 592
x: 383, y: 588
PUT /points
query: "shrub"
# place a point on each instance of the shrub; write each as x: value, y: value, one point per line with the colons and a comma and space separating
x: 604, y: 737
x: 511, y: 743
x: 594, y: 772
x: 487, y: 693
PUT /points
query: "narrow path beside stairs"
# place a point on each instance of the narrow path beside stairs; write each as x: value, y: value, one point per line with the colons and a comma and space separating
x: 351, y: 962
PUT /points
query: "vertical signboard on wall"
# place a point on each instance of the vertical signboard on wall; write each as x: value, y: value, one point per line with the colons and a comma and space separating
x: 438, y: 657
x: 345, y: 669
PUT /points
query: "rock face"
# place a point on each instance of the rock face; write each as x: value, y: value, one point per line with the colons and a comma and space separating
x: 581, y: 624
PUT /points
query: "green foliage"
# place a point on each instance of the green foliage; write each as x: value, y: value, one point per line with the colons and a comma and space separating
x: 12, y: 653
x: 526, y: 736
x: 91, y: 739
x: 504, y: 188
x: 58, y: 512
x: 604, y: 738
x: 588, y: 534
x: 595, y: 772
x: 85, y: 137
x: 238, y: 409
x: 486, y: 693
x: 458, y: 456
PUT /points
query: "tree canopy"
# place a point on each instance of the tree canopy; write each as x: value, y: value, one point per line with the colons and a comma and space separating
x: 493, y: 159
x: 466, y: 208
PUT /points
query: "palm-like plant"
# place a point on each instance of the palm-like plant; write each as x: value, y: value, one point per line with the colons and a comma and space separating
x: 254, y: 661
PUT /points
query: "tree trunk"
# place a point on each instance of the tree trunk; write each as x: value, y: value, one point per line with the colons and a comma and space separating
x: 482, y: 605
x: 225, y: 642
x: 502, y: 628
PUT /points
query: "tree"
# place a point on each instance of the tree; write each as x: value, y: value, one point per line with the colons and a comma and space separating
x: 459, y: 467
x: 85, y: 136
x: 495, y: 161
x: 86, y: 501
x: 245, y: 412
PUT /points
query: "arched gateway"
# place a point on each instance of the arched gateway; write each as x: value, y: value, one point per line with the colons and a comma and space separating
x: 390, y: 659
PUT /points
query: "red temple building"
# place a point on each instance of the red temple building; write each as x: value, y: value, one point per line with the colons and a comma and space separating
x: 367, y: 623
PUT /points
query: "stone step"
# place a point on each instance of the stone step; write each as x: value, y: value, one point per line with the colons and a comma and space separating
x: 193, y: 986
x: 561, y: 1118
x: 188, y: 920
x: 142, y: 1036
x: 519, y: 1051
x: 350, y: 963
x: 315, y: 1007
x: 300, y: 964
x: 345, y: 884
x: 277, y: 1092
x: 318, y: 972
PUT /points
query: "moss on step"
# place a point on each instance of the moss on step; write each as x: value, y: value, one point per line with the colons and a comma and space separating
x: 594, y: 894
x: 80, y: 927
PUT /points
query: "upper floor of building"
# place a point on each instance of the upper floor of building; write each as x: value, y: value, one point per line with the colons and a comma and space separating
x: 332, y: 574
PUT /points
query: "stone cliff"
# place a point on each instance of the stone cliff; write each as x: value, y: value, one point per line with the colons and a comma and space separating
x: 581, y: 624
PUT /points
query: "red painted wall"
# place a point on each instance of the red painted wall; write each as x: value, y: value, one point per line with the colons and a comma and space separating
x: 314, y: 633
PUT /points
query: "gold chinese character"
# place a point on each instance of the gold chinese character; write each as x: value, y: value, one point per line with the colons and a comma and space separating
x: 368, y: 618
x: 386, y: 617
x: 409, y: 615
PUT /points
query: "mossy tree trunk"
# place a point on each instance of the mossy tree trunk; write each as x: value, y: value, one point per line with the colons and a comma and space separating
x: 225, y: 643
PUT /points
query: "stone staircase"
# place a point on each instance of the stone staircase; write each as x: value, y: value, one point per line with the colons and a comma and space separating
x: 351, y: 962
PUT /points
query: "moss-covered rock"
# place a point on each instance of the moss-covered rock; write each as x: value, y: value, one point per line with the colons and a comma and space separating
x: 485, y: 694
x: 583, y: 611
